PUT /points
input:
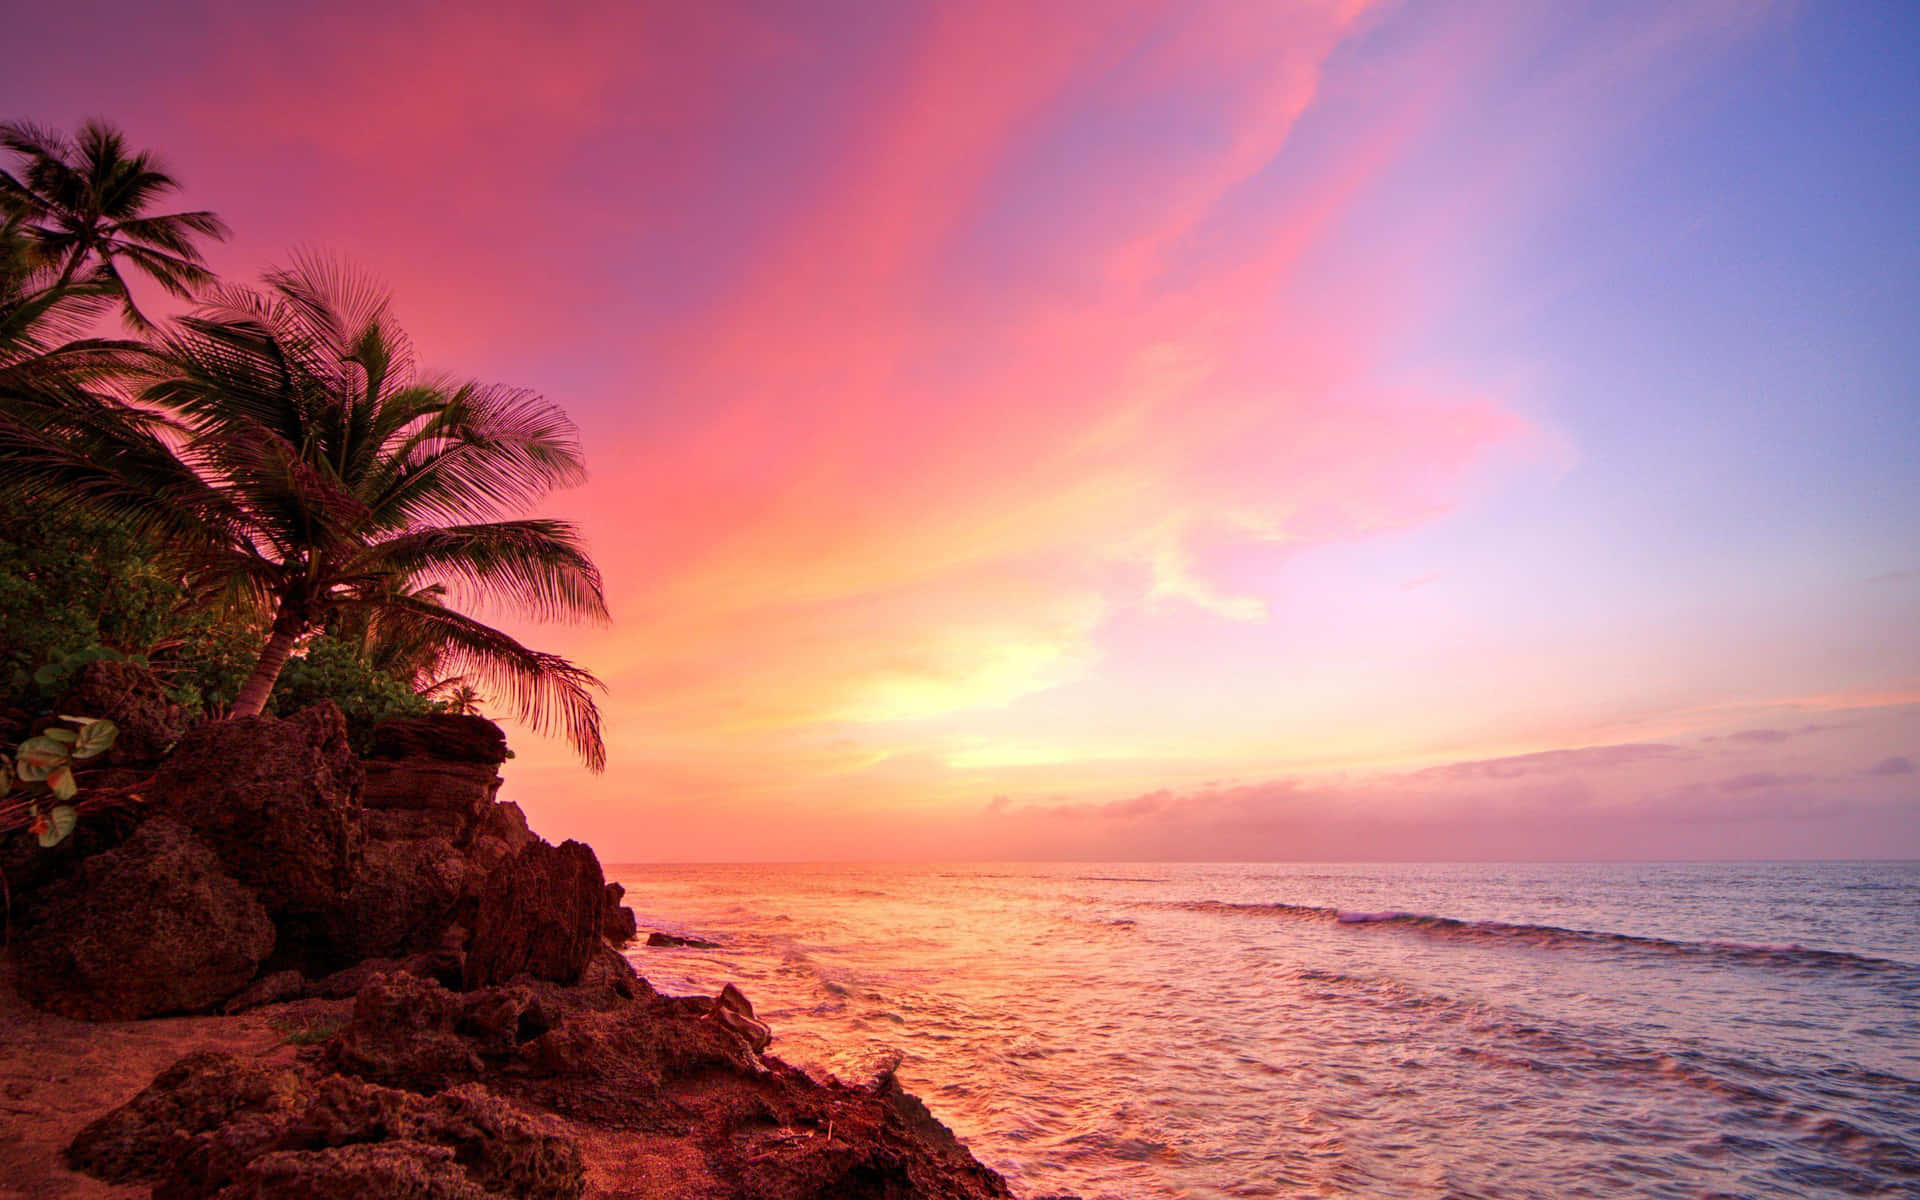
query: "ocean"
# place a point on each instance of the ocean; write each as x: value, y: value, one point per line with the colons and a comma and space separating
x: 1232, y: 1030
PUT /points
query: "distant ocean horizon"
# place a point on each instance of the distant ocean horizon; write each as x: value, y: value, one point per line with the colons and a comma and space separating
x: 1267, y: 1029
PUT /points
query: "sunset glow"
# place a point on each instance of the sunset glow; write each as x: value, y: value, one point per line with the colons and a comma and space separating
x: 1208, y: 431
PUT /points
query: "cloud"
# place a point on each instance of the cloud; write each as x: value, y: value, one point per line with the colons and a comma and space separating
x: 1758, y: 780
x: 1555, y: 762
x: 1891, y: 766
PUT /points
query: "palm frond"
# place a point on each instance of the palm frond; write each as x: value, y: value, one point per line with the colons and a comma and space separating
x: 536, y: 566
x: 544, y: 690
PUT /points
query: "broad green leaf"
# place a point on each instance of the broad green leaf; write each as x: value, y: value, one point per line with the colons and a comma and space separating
x: 38, y: 756
x: 60, y: 780
x: 96, y: 737
x: 6, y: 774
x: 61, y: 819
x: 83, y: 722
x: 61, y: 735
x: 46, y: 676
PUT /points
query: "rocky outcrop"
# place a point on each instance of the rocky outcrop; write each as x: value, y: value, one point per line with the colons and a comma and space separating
x: 440, y: 771
x: 497, y: 1043
x: 538, y: 913
x: 670, y: 941
x: 154, y: 926
x: 278, y: 801
x: 133, y: 698
x: 448, y: 737
x: 212, y: 1124
x: 619, y: 926
x: 412, y: 1033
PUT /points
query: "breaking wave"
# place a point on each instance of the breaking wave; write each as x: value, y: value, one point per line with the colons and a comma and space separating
x: 1558, y: 937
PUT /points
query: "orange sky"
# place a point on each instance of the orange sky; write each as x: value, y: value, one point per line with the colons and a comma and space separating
x: 1016, y: 434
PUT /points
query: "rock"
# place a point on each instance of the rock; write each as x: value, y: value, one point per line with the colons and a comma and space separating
x: 398, y: 824
x: 440, y: 966
x: 447, y: 736
x: 619, y: 925
x: 670, y: 940
x: 608, y: 971
x: 27, y: 866
x: 200, y: 1092
x: 404, y: 1170
x: 403, y: 1034
x: 400, y: 903
x: 155, y: 926
x: 502, y: 1149
x: 504, y: 820
x: 427, y: 783
x: 538, y: 913
x: 211, y: 1124
x: 408, y: 1032
x: 278, y: 800
x: 133, y: 698
x: 276, y: 988
x: 733, y: 1011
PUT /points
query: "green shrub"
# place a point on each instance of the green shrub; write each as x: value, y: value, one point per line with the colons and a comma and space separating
x: 330, y: 668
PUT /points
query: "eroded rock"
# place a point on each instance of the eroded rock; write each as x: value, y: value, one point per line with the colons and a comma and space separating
x: 133, y: 698
x: 277, y: 799
x: 213, y: 1124
x: 154, y: 926
x: 619, y: 926
x: 538, y: 913
x: 449, y: 736
x: 400, y: 902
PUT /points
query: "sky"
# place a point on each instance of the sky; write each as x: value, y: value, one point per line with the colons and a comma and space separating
x: 1192, y: 430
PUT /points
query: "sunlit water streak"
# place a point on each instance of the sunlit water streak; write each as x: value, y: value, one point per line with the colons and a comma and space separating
x: 1271, y: 1029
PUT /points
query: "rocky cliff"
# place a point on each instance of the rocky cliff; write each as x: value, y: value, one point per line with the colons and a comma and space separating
x: 465, y: 1024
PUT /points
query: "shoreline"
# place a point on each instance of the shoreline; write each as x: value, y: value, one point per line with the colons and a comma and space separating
x: 417, y: 995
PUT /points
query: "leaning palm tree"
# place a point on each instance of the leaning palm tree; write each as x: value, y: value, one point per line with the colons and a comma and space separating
x: 64, y: 435
x: 86, y: 205
x: 340, y: 483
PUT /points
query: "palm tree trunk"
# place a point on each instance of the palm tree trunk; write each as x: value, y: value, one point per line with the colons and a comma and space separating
x: 252, y: 699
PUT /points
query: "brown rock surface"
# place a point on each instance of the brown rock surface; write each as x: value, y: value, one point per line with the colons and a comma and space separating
x: 538, y: 913
x: 154, y: 926
x: 619, y: 926
x: 428, y: 783
x: 278, y: 801
x: 400, y: 902
x: 448, y: 736
x: 495, y: 1044
x: 213, y: 1122
x: 133, y: 698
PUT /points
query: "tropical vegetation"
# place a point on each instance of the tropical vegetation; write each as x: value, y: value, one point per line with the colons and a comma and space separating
x: 263, y: 496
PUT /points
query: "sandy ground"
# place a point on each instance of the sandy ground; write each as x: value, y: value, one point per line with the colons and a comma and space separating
x: 56, y: 1075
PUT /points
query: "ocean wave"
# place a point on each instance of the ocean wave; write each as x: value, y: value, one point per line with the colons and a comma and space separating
x: 1560, y: 937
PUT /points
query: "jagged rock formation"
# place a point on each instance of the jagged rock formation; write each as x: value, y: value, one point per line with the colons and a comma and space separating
x: 278, y: 800
x: 153, y: 926
x: 620, y: 925
x: 497, y: 1044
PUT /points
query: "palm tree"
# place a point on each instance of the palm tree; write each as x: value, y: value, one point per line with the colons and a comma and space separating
x: 63, y: 434
x: 340, y: 484
x: 85, y: 203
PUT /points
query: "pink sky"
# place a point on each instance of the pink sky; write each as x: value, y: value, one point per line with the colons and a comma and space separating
x: 1018, y: 434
